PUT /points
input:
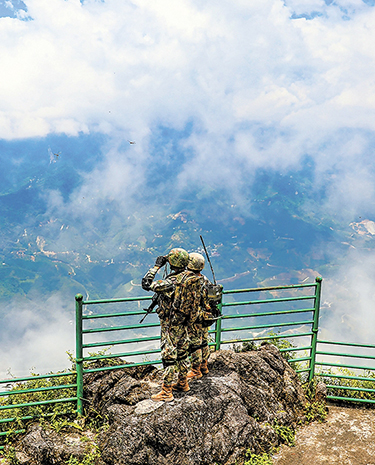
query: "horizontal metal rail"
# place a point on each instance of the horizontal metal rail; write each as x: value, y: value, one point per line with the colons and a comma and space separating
x: 338, y: 354
x: 6, y: 433
x: 33, y: 378
x: 125, y: 354
x: 281, y: 299
x: 351, y: 399
x: 114, y: 301
x: 350, y: 344
x: 264, y: 338
x: 42, y: 389
x: 31, y: 417
x: 305, y: 370
x: 356, y: 378
x: 275, y: 325
x: 351, y: 388
x: 123, y: 341
x: 271, y: 288
x: 255, y: 315
x: 294, y: 349
x: 340, y: 365
x: 41, y: 402
x: 111, y: 315
x: 119, y: 328
x: 126, y: 365
x: 302, y: 359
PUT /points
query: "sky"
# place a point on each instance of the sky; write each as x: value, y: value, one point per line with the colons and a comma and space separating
x: 235, y: 86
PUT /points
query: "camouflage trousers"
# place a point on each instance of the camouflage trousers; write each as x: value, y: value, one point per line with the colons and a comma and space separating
x: 198, y: 344
x: 174, y: 347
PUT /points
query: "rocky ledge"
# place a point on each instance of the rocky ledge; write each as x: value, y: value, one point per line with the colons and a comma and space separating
x: 229, y: 411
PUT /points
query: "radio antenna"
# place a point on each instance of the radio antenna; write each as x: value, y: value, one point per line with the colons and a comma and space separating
x: 208, y: 258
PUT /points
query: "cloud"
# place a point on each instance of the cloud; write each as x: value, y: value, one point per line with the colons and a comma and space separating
x: 126, y: 68
x: 258, y: 88
x: 43, y: 330
x: 115, y: 65
x: 238, y: 86
x: 348, y: 306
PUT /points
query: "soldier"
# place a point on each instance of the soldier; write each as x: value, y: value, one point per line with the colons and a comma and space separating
x: 198, y: 330
x: 173, y: 336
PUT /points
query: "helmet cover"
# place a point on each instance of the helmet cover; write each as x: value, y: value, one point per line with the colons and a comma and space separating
x: 178, y: 257
x: 196, y: 261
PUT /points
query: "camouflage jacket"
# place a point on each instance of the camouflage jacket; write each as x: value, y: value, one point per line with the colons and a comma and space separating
x: 183, y: 297
x: 165, y: 289
x: 190, y: 298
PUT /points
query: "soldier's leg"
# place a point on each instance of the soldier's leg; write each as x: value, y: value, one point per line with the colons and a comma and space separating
x: 205, y: 351
x: 195, y: 349
x: 183, y: 351
x: 168, y: 356
x: 195, y: 346
x: 168, y: 353
x: 182, y: 364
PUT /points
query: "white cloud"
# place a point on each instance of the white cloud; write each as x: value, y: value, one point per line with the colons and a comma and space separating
x: 111, y: 65
x: 44, y: 331
x: 123, y: 68
x: 348, y: 300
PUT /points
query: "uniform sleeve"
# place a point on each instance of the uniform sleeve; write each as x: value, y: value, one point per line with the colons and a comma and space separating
x: 162, y: 285
x: 149, y: 277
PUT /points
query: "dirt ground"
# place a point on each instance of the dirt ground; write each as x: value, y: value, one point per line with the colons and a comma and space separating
x: 347, y: 437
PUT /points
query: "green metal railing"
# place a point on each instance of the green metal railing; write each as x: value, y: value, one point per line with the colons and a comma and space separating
x: 15, y: 407
x: 311, y: 324
x: 275, y: 314
x: 309, y: 293
x: 347, y: 378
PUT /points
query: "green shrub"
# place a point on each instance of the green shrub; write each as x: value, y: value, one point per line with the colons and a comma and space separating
x: 255, y: 459
x: 21, y: 409
x: 315, y: 411
x: 338, y: 383
x: 245, y: 346
x: 285, y: 433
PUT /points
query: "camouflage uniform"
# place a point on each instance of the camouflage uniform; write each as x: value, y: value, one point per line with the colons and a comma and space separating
x: 198, y: 334
x: 173, y: 337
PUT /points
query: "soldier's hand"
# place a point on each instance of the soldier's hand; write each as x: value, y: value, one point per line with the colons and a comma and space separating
x: 161, y: 261
x: 146, y: 284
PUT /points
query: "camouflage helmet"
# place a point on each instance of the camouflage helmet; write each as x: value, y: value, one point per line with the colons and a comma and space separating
x: 178, y: 258
x: 196, y: 261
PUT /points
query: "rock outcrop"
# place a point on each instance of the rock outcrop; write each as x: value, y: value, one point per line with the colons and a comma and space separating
x: 231, y: 410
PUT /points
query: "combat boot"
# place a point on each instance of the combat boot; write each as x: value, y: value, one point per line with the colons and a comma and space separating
x: 204, y: 368
x: 182, y: 384
x: 195, y: 372
x: 164, y: 395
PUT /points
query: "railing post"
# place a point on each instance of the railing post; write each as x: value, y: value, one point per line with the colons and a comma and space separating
x: 218, y: 327
x: 315, y: 327
x: 79, y: 354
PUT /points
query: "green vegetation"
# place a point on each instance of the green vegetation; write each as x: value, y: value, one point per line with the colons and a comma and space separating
x: 245, y: 346
x: 315, y: 411
x: 37, y: 399
x: 46, y: 399
x: 336, y: 386
x: 285, y: 433
x: 255, y: 459
x: 91, y: 456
